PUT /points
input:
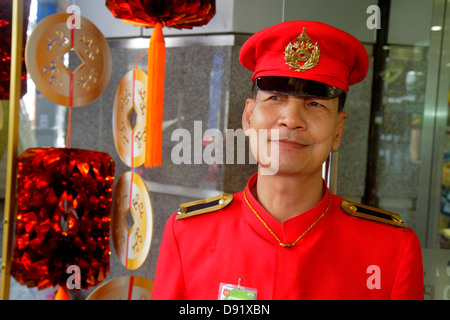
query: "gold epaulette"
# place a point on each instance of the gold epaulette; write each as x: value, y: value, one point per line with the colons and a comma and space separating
x: 194, y: 208
x: 371, y: 213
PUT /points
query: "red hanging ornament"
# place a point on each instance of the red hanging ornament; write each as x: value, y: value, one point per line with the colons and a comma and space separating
x: 170, y: 13
x: 5, y: 46
x: 63, y: 217
x: 157, y: 14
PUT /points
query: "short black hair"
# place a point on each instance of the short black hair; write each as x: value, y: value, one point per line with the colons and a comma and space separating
x: 342, y: 97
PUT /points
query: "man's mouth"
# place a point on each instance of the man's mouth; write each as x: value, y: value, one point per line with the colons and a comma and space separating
x: 290, y: 144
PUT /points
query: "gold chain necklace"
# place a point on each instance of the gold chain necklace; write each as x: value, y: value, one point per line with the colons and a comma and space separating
x: 287, y: 245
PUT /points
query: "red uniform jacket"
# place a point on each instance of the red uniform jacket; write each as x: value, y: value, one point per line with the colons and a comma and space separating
x: 341, y: 257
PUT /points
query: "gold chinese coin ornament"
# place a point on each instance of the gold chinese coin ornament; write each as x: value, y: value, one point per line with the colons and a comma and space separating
x: 302, y: 55
x: 53, y: 43
x: 123, y: 288
x: 129, y: 118
x: 131, y: 220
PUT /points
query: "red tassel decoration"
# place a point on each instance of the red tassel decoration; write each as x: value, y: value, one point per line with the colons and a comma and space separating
x: 156, y: 14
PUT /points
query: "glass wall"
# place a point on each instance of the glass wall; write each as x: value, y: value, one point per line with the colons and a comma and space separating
x: 436, y: 255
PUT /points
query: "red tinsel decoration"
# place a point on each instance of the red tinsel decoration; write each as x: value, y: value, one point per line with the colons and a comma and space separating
x: 5, y: 46
x: 63, y: 216
x: 170, y: 13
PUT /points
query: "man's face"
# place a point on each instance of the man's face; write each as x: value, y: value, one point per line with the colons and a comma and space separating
x: 308, y: 129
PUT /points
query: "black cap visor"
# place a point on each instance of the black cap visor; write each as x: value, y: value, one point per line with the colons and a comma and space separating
x: 297, y: 87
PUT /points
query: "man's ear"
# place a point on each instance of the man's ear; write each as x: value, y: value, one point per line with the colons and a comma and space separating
x: 340, y: 130
x: 247, y: 114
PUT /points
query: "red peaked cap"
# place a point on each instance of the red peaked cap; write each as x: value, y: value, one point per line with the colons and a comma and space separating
x: 343, y: 60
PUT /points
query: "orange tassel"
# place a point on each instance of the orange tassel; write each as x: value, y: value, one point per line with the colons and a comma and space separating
x: 155, y: 98
x: 62, y: 294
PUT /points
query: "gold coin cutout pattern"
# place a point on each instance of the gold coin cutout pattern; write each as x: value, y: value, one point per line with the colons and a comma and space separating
x: 129, y: 118
x: 51, y: 43
x: 131, y: 220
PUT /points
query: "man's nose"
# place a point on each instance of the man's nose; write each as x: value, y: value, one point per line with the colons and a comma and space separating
x: 293, y: 114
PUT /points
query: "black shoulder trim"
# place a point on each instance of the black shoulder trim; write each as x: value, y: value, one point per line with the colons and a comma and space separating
x: 197, y: 207
x: 370, y: 213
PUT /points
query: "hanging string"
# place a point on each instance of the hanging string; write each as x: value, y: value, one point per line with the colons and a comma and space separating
x: 143, y: 54
x: 132, y: 148
x: 68, y: 138
x: 133, y: 101
x: 134, y: 119
x: 72, y: 37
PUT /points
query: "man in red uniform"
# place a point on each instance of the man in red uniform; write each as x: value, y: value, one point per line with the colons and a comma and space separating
x: 286, y: 236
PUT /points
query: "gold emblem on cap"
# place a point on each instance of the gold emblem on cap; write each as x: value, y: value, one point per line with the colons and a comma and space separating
x: 302, y: 51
